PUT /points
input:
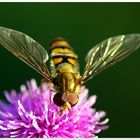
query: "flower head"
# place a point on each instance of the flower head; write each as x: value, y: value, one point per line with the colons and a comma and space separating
x: 32, y: 113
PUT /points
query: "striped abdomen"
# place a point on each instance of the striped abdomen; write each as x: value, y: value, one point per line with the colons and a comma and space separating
x: 63, y: 57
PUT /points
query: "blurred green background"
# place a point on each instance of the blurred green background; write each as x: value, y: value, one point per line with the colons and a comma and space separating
x: 84, y: 25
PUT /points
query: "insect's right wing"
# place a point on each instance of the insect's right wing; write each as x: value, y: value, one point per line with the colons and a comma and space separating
x: 26, y: 49
x: 109, y: 52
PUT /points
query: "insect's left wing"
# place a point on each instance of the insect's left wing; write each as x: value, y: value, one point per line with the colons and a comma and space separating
x: 109, y: 52
x: 26, y: 49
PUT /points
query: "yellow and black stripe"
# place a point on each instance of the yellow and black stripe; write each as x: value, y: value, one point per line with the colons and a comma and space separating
x: 62, y: 53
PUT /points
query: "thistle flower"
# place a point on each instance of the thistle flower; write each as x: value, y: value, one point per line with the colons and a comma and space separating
x: 32, y: 113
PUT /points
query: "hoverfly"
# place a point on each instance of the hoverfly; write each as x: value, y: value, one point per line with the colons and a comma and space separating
x: 64, y: 72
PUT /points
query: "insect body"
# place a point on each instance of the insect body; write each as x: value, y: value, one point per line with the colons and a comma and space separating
x: 64, y: 72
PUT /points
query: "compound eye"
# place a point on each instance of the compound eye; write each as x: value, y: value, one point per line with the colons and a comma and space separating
x: 73, y: 98
x: 58, y: 99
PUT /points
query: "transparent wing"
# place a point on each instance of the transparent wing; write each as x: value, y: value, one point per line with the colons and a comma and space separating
x: 26, y: 49
x: 109, y: 52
